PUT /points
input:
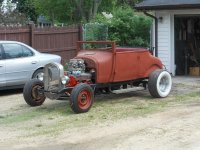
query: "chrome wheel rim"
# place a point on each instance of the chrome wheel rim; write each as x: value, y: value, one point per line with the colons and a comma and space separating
x: 164, y: 84
x: 40, y: 76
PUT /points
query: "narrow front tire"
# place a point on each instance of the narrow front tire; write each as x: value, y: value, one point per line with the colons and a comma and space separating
x: 81, y: 98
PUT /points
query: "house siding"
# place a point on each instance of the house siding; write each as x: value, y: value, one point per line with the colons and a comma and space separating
x: 166, y: 48
x: 164, y: 39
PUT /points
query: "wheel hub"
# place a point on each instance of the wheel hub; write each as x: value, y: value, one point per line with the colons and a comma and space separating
x: 40, y: 76
x: 84, y: 99
x: 163, y: 84
x: 35, y: 93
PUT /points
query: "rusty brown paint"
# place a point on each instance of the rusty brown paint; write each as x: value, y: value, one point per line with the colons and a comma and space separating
x: 119, y: 64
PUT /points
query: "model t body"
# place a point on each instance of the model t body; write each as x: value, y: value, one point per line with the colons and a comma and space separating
x: 99, y: 69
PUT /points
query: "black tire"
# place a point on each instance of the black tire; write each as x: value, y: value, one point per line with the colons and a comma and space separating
x: 31, y: 94
x: 38, y: 74
x: 160, y: 83
x: 81, y: 98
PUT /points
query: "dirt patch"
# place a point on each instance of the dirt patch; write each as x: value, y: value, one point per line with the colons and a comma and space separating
x: 48, y: 127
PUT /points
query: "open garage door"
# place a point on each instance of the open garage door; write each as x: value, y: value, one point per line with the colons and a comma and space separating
x: 187, y: 44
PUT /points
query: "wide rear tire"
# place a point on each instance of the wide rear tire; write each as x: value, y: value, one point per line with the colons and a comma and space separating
x: 160, y: 83
x: 32, y: 94
x: 81, y: 98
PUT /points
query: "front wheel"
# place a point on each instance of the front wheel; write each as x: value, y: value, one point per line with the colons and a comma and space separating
x: 160, y: 83
x: 81, y: 98
x: 39, y: 74
x: 33, y: 94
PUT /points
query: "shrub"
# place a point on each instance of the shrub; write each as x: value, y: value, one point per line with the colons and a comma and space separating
x: 126, y: 27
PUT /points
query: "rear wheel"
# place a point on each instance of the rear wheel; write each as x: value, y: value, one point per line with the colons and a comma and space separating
x: 82, y: 98
x: 32, y: 92
x: 160, y: 83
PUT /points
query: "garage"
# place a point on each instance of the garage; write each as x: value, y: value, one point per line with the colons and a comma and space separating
x: 176, y: 33
x: 187, y: 44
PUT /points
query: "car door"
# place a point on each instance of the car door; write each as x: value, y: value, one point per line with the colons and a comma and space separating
x: 126, y: 67
x: 2, y: 70
x: 20, y: 63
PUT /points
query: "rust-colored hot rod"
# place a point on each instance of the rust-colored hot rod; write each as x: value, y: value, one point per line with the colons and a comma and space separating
x: 99, y: 70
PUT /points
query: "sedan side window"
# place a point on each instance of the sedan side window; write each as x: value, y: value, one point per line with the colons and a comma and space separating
x: 12, y: 50
x: 27, y: 52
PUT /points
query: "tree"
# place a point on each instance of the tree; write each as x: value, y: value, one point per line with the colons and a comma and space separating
x: 68, y: 11
x: 1, y: 1
x: 56, y: 11
x: 109, y: 6
x: 87, y: 9
x: 126, y: 27
x: 9, y: 16
x: 127, y: 2
x: 27, y: 7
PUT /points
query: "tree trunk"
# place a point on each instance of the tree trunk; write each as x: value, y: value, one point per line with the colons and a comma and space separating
x: 96, y: 5
x: 87, y: 15
x: 52, y: 18
x: 80, y: 8
x: 90, y: 12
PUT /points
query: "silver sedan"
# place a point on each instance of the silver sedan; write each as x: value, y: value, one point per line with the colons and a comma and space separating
x: 20, y: 62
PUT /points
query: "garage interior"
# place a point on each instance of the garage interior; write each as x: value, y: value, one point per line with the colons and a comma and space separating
x: 187, y: 44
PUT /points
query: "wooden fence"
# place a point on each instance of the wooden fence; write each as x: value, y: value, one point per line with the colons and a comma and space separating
x: 61, y: 41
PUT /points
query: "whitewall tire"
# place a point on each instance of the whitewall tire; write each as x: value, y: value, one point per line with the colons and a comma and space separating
x: 160, y: 83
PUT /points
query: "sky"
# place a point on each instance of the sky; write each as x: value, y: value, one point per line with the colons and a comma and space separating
x: 12, y: 5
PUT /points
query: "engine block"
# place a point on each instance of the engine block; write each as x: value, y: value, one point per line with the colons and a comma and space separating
x: 76, y: 66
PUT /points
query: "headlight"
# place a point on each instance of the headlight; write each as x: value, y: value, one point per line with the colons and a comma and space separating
x: 65, y: 80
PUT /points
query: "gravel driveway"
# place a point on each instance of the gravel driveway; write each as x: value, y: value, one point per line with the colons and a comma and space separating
x: 176, y: 127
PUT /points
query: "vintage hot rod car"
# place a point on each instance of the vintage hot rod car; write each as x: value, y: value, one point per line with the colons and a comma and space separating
x: 99, y: 69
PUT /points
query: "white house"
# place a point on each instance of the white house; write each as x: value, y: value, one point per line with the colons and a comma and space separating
x: 176, y: 34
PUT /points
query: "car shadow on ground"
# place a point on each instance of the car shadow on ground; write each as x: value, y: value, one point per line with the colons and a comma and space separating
x: 10, y: 92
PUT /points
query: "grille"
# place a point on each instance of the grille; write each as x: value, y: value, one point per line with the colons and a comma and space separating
x: 53, y: 73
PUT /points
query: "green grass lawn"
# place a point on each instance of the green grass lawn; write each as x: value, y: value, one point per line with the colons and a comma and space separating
x: 53, y: 118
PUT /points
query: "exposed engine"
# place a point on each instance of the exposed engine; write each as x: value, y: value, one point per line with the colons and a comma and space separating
x: 76, y: 67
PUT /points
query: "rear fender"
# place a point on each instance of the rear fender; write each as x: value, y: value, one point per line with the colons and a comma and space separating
x: 151, y: 69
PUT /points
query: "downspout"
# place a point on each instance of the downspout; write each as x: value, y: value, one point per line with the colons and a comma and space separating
x: 156, y: 31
